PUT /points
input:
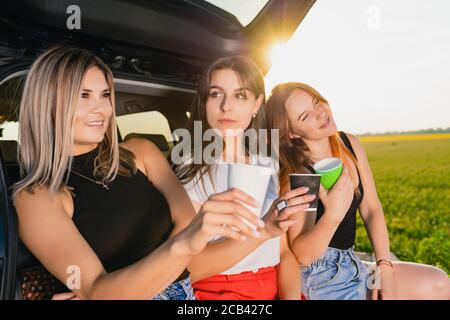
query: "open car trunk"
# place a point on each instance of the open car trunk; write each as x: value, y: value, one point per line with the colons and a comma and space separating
x: 172, y: 39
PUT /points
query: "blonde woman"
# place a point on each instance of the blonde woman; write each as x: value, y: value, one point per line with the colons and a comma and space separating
x: 110, y: 221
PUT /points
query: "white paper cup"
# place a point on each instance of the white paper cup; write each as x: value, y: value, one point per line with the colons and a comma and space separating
x: 253, y: 180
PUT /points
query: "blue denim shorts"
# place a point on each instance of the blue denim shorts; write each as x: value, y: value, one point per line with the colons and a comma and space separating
x: 181, y: 290
x: 337, y: 275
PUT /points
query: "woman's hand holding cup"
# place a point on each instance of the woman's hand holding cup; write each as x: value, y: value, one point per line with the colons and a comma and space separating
x: 338, y: 199
x: 221, y: 215
x: 278, y: 222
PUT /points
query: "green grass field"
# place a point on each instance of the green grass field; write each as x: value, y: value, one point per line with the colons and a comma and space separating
x: 413, y: 183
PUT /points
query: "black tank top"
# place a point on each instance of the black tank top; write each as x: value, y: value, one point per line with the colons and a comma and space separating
x: 123, y: 224
x: 344, y: 237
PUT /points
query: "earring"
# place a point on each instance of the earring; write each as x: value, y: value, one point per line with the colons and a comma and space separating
x: 254, y: 115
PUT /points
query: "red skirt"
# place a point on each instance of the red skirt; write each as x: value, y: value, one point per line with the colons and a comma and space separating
x: 260, y: 285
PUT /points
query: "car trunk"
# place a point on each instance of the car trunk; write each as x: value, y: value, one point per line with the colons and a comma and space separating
x: 171, y: 40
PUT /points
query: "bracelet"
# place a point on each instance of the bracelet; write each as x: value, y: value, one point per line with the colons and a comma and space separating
x: 386, y: 262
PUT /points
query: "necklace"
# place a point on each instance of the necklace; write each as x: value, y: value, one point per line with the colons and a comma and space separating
x: 104, y: 185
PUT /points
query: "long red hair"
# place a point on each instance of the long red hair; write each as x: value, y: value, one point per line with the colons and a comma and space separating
x: 292, y: 151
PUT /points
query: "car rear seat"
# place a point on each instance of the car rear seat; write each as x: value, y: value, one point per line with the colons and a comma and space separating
x: 8, y: 241
x: 9, y: 152
x: 24, y: 258
x: 158, y: 139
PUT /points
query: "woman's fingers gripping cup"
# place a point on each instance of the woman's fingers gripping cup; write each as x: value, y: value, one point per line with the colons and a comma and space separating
x: 254, y: 181
x: 310, y: 181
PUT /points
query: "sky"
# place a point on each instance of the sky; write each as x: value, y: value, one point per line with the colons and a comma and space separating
x: 244, y: 10
x: 383, y: 65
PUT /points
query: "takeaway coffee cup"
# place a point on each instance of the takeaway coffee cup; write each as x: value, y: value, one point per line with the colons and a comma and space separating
x: 253, y: 180
x: 330, y: 170
x: 312, y: 181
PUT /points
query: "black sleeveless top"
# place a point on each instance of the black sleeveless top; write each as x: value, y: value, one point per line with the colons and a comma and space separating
x: 344, y: 237
x: 123, y: 224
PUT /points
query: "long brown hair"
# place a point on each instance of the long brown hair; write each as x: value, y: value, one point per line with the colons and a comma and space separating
x: 251, y: 77
x: 292, y: 151
x: 47, y: 109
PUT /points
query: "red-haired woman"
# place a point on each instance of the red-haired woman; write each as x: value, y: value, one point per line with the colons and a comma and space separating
x: 323, y: 242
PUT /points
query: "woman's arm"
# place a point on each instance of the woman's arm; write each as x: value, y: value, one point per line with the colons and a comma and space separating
x: 46, y: 228
x: 372, y: 214
x: 288, y: 273
x: 220, y: 255
x: 308, y: 239
x: 370, y: 209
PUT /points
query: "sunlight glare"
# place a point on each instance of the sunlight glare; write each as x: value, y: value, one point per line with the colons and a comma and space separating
x: 282, y: 56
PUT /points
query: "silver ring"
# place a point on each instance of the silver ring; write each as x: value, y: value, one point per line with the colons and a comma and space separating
x: 283, y: 204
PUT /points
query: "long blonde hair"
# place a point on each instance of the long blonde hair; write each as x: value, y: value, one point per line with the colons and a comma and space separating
x: 292, y: 152
x: 47, y: 109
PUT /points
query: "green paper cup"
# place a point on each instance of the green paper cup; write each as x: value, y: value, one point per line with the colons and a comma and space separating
x: 329, y: 169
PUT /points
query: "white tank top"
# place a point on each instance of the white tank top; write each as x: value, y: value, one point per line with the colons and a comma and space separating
x: 268, y: 253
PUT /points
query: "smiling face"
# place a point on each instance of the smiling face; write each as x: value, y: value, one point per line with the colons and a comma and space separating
x: 93, y: 111
x: 230, y: 105
x: 308, y: 117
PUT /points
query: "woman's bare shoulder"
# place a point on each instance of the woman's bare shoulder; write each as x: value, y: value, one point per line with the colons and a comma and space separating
x: 27, y: 201
x: 141, y: 148
x: 356, y: 144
